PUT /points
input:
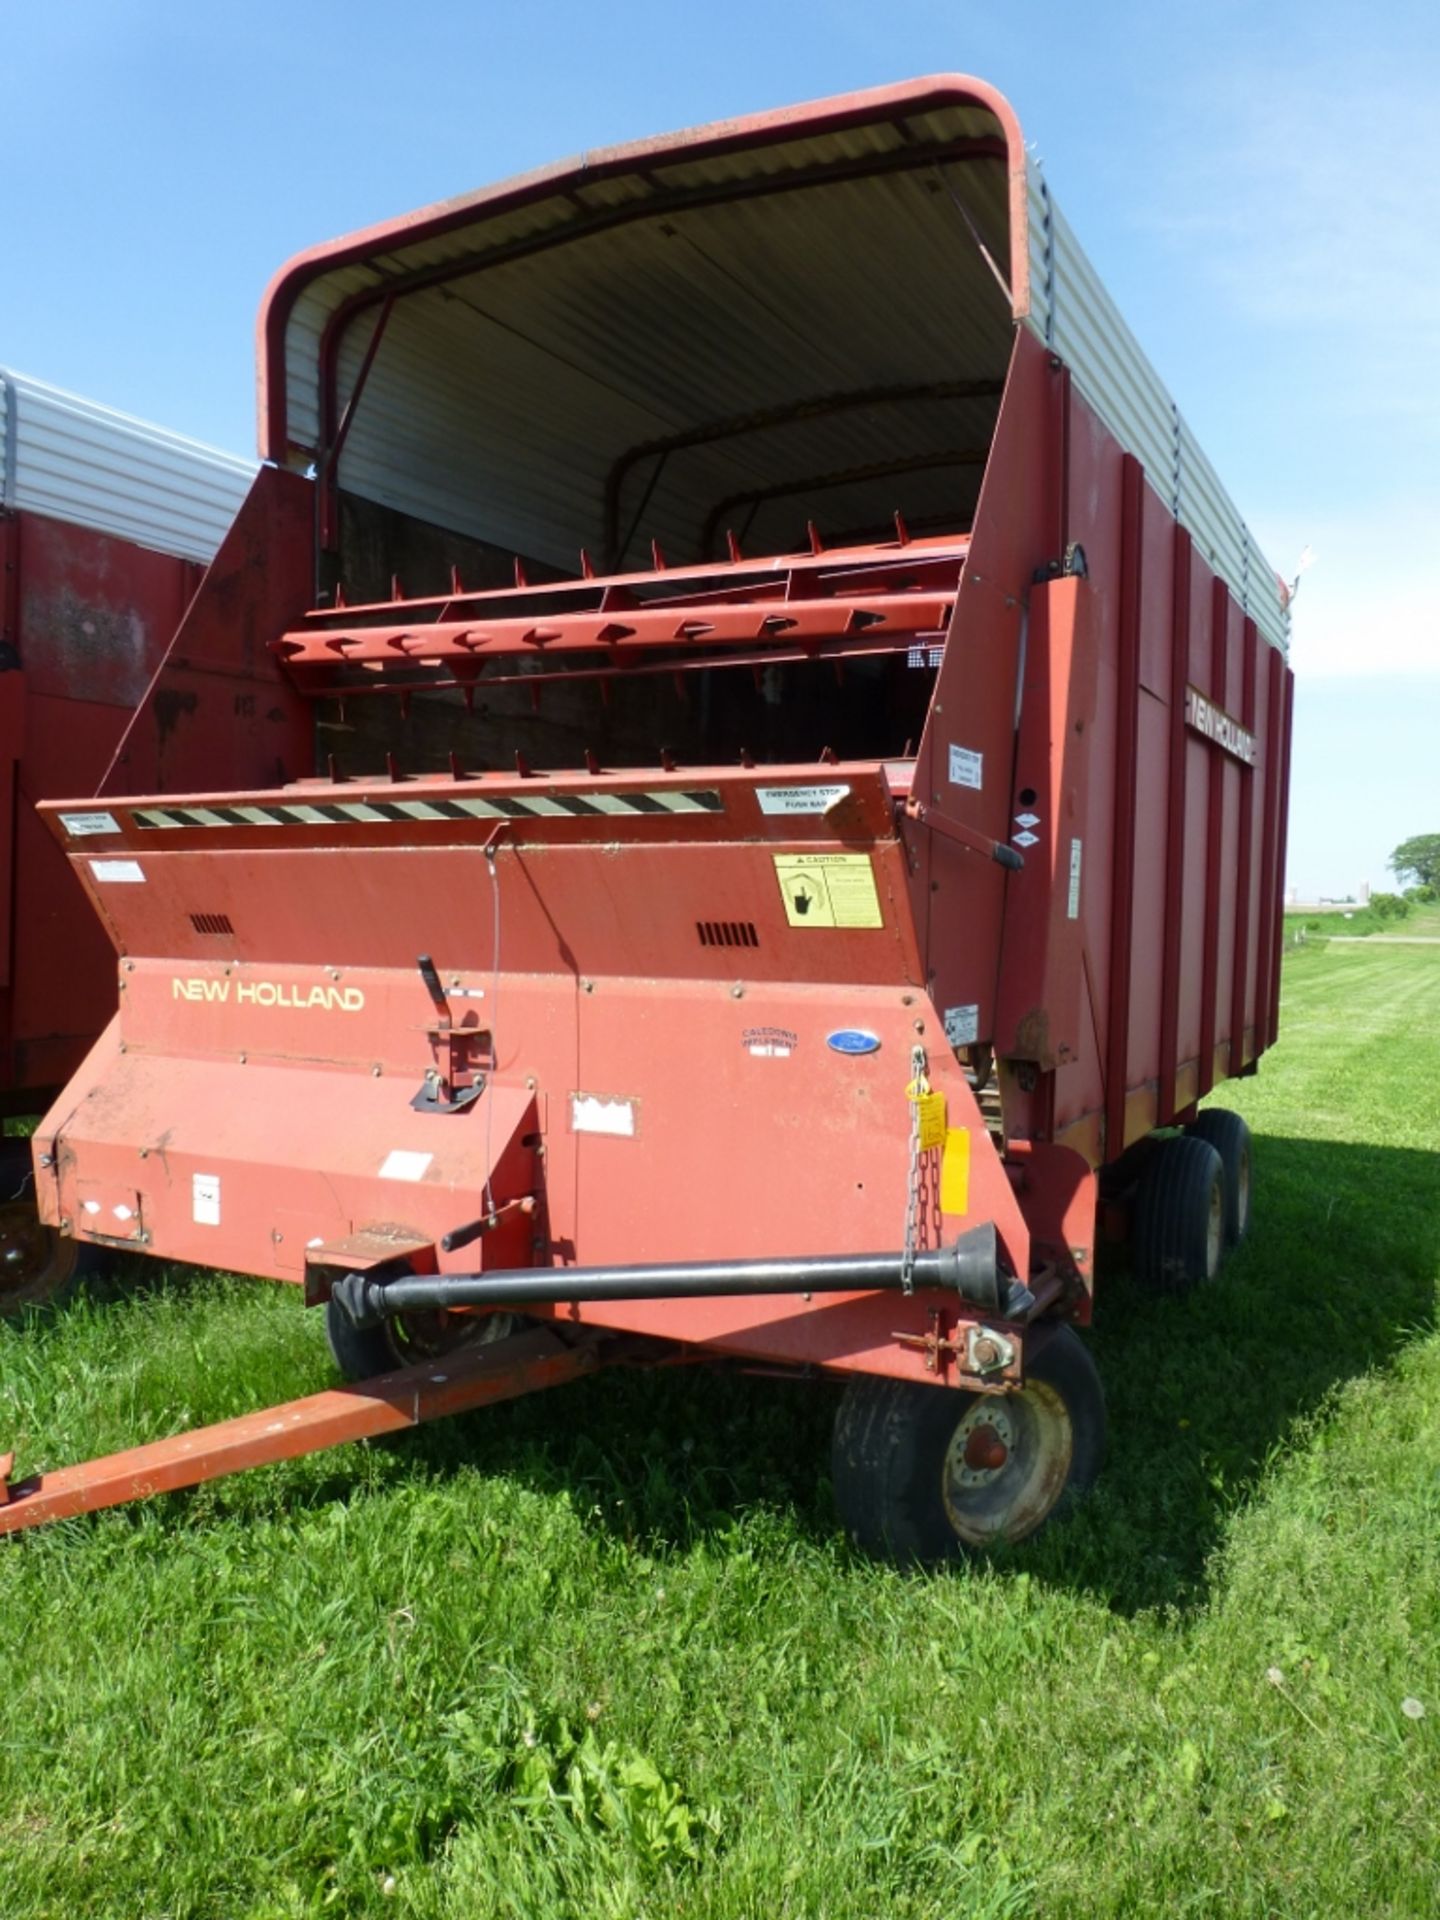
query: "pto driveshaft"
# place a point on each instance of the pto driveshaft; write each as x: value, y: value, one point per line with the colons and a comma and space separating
x: 967, y: 1267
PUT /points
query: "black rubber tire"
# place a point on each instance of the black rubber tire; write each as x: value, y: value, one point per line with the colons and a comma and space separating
x: 38, y: 1266
x: 1230, y: 1137
x: 893, y: 1468
x: 362, y: 1352
x: 1177, y: 1236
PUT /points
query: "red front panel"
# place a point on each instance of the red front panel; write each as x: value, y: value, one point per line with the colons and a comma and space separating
x: 650, y: 1007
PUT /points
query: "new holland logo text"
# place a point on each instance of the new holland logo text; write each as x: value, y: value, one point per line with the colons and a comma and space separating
x: 1217, y: 725
x: 269, y: 993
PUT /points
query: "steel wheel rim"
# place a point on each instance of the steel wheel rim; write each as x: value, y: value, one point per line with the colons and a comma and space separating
x: 1009, y: 1502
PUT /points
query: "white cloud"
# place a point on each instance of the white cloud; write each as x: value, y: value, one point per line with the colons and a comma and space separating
x: 1355, y: 628
x: 1367, y: 605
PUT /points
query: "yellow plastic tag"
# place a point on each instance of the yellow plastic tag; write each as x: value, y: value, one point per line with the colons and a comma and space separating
x: 955, y: 1172
x: 931, y: 1110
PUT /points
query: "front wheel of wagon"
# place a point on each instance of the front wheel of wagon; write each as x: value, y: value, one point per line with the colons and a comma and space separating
x: 362, y: 1352
x: 38, y: 1266
x: 927, y: 1473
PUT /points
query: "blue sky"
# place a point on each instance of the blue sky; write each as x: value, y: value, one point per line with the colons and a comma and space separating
x: 1259, y: 187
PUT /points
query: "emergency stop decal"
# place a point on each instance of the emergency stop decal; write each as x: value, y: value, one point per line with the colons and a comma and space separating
x: 800, y: 799
x: 79, y: 824
x: 828, y: 889
x: 967, y: 767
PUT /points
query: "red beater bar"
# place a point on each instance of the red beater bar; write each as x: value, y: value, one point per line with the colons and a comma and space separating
x: 883, y: 603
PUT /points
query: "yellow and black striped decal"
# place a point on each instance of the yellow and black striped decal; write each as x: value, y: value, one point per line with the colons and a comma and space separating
x: 326, y: 813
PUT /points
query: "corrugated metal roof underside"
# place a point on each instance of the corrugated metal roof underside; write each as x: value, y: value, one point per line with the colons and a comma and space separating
x: 502, y: 402
x: 579, y: 200
x: 501, y: 399
x: 74, y: 460
x: 1073, y: 313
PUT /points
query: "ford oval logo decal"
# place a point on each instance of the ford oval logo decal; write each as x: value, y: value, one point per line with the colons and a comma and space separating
x: 852, y: 1040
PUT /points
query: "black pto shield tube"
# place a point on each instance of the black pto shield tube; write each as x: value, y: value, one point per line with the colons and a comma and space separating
x: 968, y: 1268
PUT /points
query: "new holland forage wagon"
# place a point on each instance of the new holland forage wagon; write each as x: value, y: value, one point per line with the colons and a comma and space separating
x: 751, y: 800
x: 106, y: 526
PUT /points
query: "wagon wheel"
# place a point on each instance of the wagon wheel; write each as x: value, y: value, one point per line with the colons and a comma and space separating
x: 1178, y: 1234
x: 37, y: 1265
x: 409, y: 1338
x: 1230, y: 1137
x: 926, y: 1473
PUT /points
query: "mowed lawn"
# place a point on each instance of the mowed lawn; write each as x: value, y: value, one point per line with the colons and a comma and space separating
x: 604, y: 1654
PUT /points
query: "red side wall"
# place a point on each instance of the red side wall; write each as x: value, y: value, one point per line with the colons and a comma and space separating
x: 120, y: 668
x: 217, y: 713
x: 1166, y: 981
x: 86, y: 620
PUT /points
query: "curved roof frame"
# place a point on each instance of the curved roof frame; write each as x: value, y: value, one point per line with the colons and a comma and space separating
x: 566, y: 182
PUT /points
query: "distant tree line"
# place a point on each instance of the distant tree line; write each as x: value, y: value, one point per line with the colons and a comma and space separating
x: 1416, y: 865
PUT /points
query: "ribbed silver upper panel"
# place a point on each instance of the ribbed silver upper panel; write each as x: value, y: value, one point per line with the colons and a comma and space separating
x: 1071, y: 311
x: 73, y: 460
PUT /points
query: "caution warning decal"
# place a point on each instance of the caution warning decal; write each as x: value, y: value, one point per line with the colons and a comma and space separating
x: 828, y: 889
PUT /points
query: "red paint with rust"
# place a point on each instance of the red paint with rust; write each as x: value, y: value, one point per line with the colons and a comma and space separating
x: 632, y: 984
x: 103, y: 642
x: 86, y: 618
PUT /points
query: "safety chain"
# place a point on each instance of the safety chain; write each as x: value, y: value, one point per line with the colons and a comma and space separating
x: 918, y: 1085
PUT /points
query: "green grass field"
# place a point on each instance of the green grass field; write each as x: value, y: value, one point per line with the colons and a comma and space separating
x: 603, y: 1654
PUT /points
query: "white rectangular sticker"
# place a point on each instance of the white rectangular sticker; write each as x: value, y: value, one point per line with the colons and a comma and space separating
x: 404, y: 1163
x: 595, y: 1113
x: 205, y: 1199
x: 770, y: 1043
x: 129, y: 871
x: 962, y: 1025
x: 967, y: 768
x: 77, y: 824
x: 800, y: 799
x: 1072, y: 911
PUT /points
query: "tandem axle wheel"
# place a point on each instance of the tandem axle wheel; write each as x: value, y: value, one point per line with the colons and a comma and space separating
x: 1192, y: 1203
